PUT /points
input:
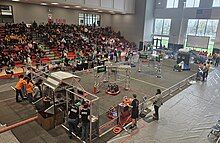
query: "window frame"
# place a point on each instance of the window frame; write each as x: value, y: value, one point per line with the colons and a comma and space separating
x: 205, y: 29
x: 212, y: 37
x: 6, y: 17
x: 173, y: 5
x: 162, y: 28
x: 89, y: 19
x: 216, y: 5
x: 193, y: 6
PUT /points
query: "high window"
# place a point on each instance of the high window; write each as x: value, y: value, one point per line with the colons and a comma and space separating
x: 6, y: 13
x: 216, y: 3
x: 172, y: 3
x: 162, y: 31
x: 89, y: 19
x: 203, y: 27
x: 192, y: 3
x: 162, y: 26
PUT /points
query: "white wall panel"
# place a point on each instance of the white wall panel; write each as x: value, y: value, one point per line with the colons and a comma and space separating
x: 40, y: 13
x: 119, y: 4
x: 76, y: 1
x: 107, y: 3
x: 93, y: 2
x: 129, y: 6
x: 131, y: 26
x: 149, y: 20
x: 106, y: 20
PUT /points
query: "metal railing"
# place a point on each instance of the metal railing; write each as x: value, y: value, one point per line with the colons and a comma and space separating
x: 175, y: 88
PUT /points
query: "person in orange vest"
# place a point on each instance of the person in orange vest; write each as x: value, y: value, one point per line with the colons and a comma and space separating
x: 29, y: 90
x: 20, y: 84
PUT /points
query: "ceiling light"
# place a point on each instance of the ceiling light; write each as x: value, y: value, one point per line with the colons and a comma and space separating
x: 43, y: 3
x: 159, y: 3
x: 77, y: 6
x: 95, y: 9
x: 85, y: 9
x: 54, y: 3
x: 66, y: 6
x: 15, y: 0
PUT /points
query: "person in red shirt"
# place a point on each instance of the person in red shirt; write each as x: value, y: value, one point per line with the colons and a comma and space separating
x: 20, y: 84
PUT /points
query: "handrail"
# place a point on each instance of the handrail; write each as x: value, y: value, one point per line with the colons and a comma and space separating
x: 175, y: 85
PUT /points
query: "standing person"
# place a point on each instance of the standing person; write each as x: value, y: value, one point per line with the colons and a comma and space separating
x: 20, y: 84
x: 73, y: 118
x: 38, y: 84
x: 205, y: 72
x: 217, y: 59
x: 29, y: 90
x: 119, y: 55
x: 214, y: 58
x: 116, y: 55
x: 157, y: 103
x: 134, y: 111
x: 36, y: 93
x: 208, y: 66
x: 28, y: 72
x: 85, y: 115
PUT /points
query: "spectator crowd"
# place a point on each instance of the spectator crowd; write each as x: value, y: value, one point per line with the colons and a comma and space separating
x: 21, y: 42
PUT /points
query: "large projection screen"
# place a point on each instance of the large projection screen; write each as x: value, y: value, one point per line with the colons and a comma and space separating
x: 197, y: 41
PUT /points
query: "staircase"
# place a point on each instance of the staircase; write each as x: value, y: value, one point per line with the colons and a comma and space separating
x: 35, y: 38
x: 49, y: 56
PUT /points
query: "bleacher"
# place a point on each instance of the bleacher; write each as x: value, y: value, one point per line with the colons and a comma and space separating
x: 2, y: 32
x: 52, y: 53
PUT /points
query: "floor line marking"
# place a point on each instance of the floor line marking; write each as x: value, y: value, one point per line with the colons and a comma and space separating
x: 6, y: 84
x: 217, y: 74
x: 1, y: 101
x: 118, y: 138
x: 134, y: 133
x: 146, y: 82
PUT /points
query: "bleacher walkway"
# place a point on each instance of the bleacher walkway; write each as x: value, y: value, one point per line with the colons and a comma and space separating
x: 185, y: 118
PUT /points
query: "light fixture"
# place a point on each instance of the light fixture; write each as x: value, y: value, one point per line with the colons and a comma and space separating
x: 159, y: 2
x: 85, y: 9
x: 77, y: 6
x: 15, y: 0
x: 43, y: 3
x: 95, y: 9
x: 112, y: 12
x: 54, y: 3
x: 66, y: 6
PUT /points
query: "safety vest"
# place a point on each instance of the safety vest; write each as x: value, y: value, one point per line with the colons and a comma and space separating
x: 29, y: 87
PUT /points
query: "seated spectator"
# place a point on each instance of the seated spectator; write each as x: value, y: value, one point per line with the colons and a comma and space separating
x: 85, y: 41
